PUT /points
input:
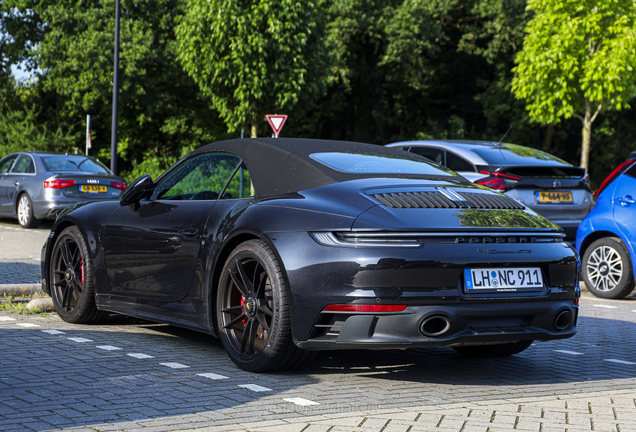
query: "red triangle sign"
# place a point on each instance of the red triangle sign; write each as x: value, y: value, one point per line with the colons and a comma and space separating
x: 276, y: 122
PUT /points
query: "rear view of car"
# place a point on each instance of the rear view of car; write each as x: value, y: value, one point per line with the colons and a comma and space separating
x: 605, y: 239
x: 548, y: 185
x: 36, y: 186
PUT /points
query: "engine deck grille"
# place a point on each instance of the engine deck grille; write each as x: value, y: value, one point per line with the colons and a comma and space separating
x: 469, y: 200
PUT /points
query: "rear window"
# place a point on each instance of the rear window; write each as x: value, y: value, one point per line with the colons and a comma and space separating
x: 376, y: 163
x: 73, y: 163
x: 510, y: 154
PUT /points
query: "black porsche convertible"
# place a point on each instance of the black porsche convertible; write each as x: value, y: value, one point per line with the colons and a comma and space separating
x: 284, y: 247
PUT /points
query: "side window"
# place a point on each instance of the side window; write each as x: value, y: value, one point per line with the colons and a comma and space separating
x: 5, y: 164
x: 240, y: 186
x: 199, y: 178
x: 434, y: 154
x: 457, y: 163
x: 630, y: 172
x: 22, y: 165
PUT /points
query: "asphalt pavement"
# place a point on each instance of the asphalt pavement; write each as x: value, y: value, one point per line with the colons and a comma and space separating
x: 133, y: 375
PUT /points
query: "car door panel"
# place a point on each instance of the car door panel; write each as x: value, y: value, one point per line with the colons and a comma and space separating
x: 625, y: 205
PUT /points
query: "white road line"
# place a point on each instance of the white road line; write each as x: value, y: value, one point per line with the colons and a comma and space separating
x: 255, y: 387
x: 569, y: 352
x: 108, y: 347
x: 52, y: 331
x: 139, y: 355
x: 174, y: 365
x: 80, y: 340
x: 28, y: 325
x: 212, y: 376
x: 301, y: 401
x: 3, y: 318
x: 606, y: 306
x: 619, y: 361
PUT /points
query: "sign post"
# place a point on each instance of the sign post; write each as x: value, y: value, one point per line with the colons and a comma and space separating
x: 89, y: 138
x: 276, y: 122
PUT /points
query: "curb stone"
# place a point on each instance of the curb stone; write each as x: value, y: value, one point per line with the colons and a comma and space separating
x: 43, y: 304
x: 20, y: 289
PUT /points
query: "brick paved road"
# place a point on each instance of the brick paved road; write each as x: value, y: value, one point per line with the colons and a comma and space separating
x: 129, y: 375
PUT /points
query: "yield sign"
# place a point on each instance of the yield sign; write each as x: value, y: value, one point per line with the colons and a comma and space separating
x: 276, y: 122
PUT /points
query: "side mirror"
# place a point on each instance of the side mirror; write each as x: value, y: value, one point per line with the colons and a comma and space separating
x: 138, y: 190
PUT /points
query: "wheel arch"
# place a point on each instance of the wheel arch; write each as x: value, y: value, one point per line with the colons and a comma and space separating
x: 229, y: 244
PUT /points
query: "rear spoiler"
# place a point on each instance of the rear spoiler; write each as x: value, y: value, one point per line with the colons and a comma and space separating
x: 558, y: 171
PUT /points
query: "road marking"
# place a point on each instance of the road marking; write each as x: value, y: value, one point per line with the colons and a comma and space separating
x: 174, y: 365
x: 3, y: 318
x: 255, y: 387
x: 52, y: 331
x: 301, y: 401
x: 212, y: 376
x: 139, y: 355
x: 28, y: 325
x: 80, y: 340
x: 619, y: 361
x: 108, y: 347
x: 606, y: 306
x: 569, y: 352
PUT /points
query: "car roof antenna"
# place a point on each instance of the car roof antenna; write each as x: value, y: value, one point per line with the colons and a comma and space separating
x: 502, y: 138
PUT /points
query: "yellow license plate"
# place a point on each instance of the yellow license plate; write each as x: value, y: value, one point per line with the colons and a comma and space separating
x: 93, y: 189
x: 554, y: 197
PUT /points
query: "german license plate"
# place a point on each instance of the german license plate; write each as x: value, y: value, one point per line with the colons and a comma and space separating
x: 93, y: 189
x: 503, y: 279
x: 554, y: 196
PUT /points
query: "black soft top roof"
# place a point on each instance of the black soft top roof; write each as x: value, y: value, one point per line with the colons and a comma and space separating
x: 282, y: 165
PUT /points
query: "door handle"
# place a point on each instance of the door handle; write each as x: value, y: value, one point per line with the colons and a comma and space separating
x: 626, y: 201
x: 188, y: 232
x: 16, y: 183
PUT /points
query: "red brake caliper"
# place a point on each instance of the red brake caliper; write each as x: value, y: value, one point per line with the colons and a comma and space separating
x: 82, y: 267
x: 243, y: 304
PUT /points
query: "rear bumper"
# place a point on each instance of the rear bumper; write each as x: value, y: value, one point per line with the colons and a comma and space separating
x: 469, y: 325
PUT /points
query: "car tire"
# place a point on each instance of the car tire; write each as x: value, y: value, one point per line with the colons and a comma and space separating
x: 72, y: 279
x: 500, y: 350
x: 607, y: 268
x: 24, y: 212
x: 253, y: 301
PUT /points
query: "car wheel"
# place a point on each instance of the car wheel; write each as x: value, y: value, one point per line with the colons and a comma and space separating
x: 607, y: 268
x: 252, y: 311
x: 72, y: 279
x: 25, y: 212
x: 500, y: 350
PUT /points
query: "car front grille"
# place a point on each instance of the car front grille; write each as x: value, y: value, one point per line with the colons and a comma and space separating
x: 438, y: 200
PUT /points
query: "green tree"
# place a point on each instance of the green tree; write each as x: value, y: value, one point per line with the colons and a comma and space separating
x: 254, y: 57
x: 578, y: 58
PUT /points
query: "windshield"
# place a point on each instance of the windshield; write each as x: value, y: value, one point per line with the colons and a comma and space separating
x: 73, y: 163
x: 510, y: 154
x: 376, y: 163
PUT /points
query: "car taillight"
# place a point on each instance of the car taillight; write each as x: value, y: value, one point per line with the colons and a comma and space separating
x: 495, y: 183
x: 611, y: 177
x: 500, y: 174
x: 118, y: 185
x: 58, y: 184
x: 363, y: 308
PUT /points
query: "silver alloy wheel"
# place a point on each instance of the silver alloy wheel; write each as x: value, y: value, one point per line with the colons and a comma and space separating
x: 604, y: 268
x: 24, y: 210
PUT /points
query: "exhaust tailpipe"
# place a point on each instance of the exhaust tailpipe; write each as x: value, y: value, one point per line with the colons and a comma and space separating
x: 435, y: 326
x: 563, y: 320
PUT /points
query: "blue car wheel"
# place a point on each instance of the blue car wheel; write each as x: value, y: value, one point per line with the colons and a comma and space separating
x: 607, y: 268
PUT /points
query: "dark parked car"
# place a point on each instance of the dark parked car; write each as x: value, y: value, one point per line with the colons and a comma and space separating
x: 548, y: 185
x: 282, y: 247
x: 35, y: 186
x: 606, y: 237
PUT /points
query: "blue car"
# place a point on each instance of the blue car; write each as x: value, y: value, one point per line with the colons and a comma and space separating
x: 605, y: 238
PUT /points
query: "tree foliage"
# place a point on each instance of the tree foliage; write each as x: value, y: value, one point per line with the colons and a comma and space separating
x: 253, y: 58
x: 578, y: 58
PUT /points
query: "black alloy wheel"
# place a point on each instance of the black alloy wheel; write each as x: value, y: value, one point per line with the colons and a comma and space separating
x: 72, y: 280
x: 499, y: 350
x: 253, y: 311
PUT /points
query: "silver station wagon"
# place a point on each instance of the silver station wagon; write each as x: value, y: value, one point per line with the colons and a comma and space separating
x: 36, y: 186
x: 548, y: 185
